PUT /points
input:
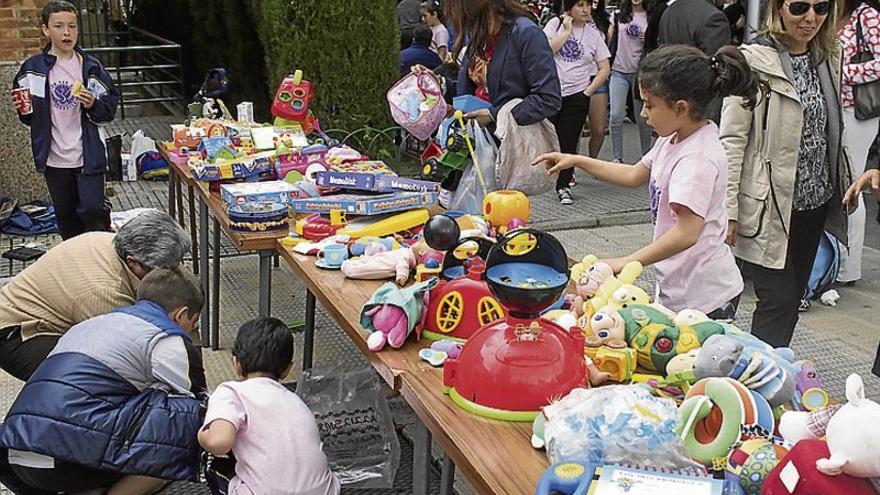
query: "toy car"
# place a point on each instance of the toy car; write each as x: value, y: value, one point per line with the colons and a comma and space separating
x: 454, y: 154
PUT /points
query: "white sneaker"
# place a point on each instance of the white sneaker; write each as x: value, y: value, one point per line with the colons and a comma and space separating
x: 564, y: 195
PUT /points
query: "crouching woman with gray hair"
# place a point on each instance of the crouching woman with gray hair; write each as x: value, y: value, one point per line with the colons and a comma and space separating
x: 82, y: 277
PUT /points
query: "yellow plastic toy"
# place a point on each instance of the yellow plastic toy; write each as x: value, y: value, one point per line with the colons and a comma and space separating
x: 500, y: 207
x: 387, y: 226
x: 620, y: 364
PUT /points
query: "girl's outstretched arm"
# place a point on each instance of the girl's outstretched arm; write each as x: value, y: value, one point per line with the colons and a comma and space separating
x: 614, y: 173
x: 684, y: 235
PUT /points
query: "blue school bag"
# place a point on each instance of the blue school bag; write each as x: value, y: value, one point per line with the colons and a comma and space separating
x: 825, y: 268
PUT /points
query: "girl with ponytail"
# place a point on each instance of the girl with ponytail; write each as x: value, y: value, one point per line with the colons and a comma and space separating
x: 686, y: 173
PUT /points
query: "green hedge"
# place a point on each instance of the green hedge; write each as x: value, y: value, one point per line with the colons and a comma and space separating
x: 347, y: 49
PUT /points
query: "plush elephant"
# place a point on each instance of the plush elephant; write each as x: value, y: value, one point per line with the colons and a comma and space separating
x: 759, y: 370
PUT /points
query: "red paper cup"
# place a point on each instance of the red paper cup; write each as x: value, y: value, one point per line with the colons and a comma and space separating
x: 22, y: 98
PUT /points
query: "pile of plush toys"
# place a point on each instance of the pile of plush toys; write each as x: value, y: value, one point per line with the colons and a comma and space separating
x: 678, y: 390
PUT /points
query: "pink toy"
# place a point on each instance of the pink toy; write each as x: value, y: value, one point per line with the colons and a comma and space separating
x: 292, y: 98
x: 391, y: 324
x: 515, y: 223
x: 396, y: 263
x: 590, y: 281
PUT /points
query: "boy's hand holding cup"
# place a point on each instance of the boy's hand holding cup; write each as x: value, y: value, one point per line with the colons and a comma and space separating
x: 23, y: 102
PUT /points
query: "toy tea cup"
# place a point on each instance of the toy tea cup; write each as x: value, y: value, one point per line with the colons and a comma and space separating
x: 333, y: 255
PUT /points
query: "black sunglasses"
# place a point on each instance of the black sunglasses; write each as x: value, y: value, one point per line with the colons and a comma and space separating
x: 801, y: 8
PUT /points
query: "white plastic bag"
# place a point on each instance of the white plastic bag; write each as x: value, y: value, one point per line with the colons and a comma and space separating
x: 472, y: 188
x: 520, y: 144
x: 620, y: 424
x: 141, y: 144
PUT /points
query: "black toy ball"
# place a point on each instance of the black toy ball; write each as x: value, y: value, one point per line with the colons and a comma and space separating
x: 442, y: 232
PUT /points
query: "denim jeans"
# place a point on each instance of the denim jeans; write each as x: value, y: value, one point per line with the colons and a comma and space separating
x: 620, y: 84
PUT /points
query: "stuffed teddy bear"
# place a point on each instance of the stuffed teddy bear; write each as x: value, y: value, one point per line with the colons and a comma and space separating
x: 853, y: 435
x: 722, y: 355
x: 594, y: 278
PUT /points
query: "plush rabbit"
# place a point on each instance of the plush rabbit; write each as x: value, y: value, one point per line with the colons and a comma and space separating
x: 391, y: 325
x: 853, y: 435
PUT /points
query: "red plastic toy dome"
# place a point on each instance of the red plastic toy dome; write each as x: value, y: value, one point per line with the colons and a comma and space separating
x: 509, y: 369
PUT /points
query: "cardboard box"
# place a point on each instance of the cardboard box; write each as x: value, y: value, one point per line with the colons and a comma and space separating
x: 355, y: 204
x: 239, y: 168
x: 129, y: 168
x: 374, y: 182
x: 276, y: 191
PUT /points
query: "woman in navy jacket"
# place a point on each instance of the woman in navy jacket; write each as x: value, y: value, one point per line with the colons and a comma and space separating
x: 508, y: 57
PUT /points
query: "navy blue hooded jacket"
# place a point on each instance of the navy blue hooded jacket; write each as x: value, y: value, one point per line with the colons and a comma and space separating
x: 96, y: 400
x: 522, y: 66
x: 34, y: 75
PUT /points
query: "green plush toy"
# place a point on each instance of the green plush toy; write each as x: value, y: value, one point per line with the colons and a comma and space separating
x: 656, y: 338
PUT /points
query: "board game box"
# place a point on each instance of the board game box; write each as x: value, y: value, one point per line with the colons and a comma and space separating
x: 355, y: 204
x: 276, y: 191
x: 374, y: 182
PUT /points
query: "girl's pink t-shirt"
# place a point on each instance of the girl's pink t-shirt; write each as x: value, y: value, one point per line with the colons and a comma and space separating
x: 692, y: 173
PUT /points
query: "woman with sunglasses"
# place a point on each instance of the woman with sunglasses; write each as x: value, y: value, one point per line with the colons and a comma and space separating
x: 787, y: 169
x: 864, y: 15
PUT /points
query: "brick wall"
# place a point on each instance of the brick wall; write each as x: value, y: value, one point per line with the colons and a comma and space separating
x: 20, y: 37
x: 20, y: 33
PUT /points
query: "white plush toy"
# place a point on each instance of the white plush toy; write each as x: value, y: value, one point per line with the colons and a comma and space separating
x: 853, y: 435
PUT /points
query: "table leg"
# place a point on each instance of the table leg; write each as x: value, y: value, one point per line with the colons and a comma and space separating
x: 178, y: 193
x: 203, y: 266
x: 172, y: 201
x: 421, y: 459
x: 309, y: 335
x: 447, y: 476
x: 265, y: 282
x: 193, y: 237
x: 215, y: 288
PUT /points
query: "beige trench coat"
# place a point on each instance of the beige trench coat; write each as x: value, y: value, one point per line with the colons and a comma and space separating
x: 762, y: 148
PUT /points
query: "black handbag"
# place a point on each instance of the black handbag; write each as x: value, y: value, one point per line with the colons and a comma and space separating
x: 866, y: 97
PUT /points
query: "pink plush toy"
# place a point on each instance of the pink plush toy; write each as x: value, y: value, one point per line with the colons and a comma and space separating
x: 396, y: 263
x: 391, y: 324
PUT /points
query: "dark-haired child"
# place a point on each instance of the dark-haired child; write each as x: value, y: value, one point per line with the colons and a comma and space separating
x: 432, y: 17
x: 70, y: 92
x: 270, y: 430
x: 687, y: 174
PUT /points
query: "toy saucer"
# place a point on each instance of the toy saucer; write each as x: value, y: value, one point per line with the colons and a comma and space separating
x: 321, y: 264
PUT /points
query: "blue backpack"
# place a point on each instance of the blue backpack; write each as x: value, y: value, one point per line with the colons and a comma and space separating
x: 825, y: 268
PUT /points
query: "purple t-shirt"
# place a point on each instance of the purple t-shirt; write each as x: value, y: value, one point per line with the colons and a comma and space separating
x: 693, y: 173
x: 577, y: 60
x: 277, y: 445
x: 630, y: 43
x: 65, y: 149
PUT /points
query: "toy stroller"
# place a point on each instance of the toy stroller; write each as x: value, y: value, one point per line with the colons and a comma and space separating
x: 216, y: 84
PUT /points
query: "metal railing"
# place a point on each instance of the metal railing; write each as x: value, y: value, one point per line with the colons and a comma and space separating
x: 146, y: 68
